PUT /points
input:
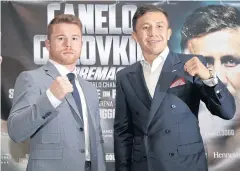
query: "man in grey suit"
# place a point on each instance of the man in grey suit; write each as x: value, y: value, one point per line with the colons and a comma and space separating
x: 157, y: 101
x: 57, y: 109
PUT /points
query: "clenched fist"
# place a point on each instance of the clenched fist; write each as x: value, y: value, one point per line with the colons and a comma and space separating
x: 60, y: 87
x: 195, y: 67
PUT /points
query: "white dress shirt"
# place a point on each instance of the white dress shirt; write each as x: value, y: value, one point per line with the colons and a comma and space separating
x: 152, y: 72
x: 55, y: 102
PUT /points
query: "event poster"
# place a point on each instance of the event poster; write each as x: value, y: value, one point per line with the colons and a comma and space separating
x: 107, y: 48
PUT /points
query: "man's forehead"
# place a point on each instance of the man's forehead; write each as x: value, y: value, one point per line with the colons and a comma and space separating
x: 226, y: 34
x: 65, y: 26
x: 66, y: 30
x: 155, y: 16
x: 220, y: 43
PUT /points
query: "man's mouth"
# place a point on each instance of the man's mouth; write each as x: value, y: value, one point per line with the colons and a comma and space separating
x: 153, y: 41
x: 65, y: 53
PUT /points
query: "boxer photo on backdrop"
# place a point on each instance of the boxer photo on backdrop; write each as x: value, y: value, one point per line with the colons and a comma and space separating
x: 157, y: 102
x: 214, y: 32
x: 57, y: 109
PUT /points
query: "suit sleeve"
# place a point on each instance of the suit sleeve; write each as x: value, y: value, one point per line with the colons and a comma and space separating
x: 123, y: 131
x: 218, y: 99
x: 30, y: 109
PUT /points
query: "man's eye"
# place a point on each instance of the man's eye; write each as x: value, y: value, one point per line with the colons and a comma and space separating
x: 60, y: 38
x: 209, y: 65
x: 209, y: 61
x: 75, y: 38
x: 230, y: 63
x: 145, y: 27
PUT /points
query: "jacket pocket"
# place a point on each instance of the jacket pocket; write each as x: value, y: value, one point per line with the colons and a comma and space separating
x: 137, y: 155
x: 189, y: 149
x: 176, y: 89
x: 51, y: 138
x: 47, y: 154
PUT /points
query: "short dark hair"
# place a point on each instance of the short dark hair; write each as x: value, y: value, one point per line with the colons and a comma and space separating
x: 64, y: 18
x: 141, y: 10
x: 209, y: 19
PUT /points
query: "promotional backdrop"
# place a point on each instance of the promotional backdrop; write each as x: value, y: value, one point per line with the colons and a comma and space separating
x: 107, y: 48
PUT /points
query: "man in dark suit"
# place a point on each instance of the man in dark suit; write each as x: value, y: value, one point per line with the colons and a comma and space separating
x: 157, y: 101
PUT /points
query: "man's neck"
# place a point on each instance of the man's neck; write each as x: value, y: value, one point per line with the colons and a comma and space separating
x: 150, y: 58
x: 70, y: 68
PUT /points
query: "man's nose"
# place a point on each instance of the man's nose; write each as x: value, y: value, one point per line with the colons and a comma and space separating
x: 221, y: 72
x: 68, y: 43
x: 152, y: 31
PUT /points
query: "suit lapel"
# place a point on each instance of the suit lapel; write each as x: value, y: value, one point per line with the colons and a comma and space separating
x: 72, y: 103
x: 136, y: 78
x: 87, y: 96
x: 91, y: 119
x: 52, y: 71
x: 169, y: 71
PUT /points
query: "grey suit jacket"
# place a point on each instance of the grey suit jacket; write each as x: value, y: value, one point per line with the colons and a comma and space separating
x: 56, y: 134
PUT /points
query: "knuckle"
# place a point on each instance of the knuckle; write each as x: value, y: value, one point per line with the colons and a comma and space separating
x: 58, y: 78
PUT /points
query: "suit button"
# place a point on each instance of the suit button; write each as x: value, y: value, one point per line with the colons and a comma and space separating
x: 82, y: 151
x: 219, y: 94
x: 167, y: 131
x: 171, y: 154
x: 81, y: 129
x: 173, y: 106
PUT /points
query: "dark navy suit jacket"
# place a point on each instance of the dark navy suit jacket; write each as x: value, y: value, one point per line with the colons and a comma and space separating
x: 162, y: 133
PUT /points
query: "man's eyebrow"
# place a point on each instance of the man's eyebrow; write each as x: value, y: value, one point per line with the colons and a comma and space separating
x: 158, y: 22
x: 59, y: 35
x: 209, y: 59
x: 64, y: 35
x: 76, y: 35
x: 227, y: 58
x: 208, y: 56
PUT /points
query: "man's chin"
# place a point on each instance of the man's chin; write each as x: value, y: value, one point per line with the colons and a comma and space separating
x: 155, y: 51
x: 69, y: 62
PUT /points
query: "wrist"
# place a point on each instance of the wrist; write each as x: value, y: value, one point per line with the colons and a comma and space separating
x: 212, y: 73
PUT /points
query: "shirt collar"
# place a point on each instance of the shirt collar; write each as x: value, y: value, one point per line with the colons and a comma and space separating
x: 61, y: 69
x: 157, y: 61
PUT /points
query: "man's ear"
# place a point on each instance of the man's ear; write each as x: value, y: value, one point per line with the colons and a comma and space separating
x: 190, y: 46
x: 134, y: 36
x: 81, y: 49
x: 169, y: 33
x: 47, y: 44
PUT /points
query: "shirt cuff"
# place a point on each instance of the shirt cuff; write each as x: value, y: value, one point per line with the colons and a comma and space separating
x: 54, y: 101
x: 211, y: 82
